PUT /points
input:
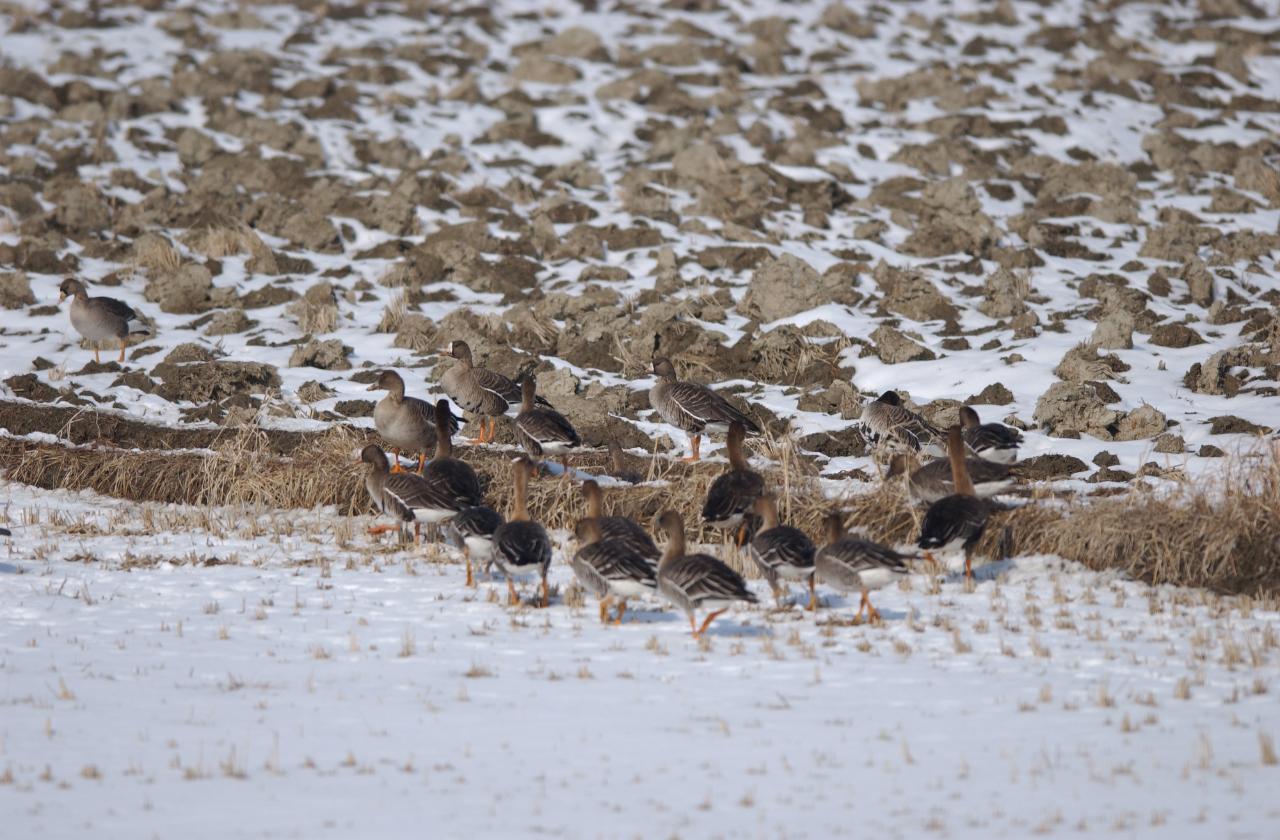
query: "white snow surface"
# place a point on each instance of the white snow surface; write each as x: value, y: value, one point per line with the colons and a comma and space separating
x: 235, y: 673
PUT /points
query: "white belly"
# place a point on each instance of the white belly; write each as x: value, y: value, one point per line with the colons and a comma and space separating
x: 1000, y: 456
x: 629, y: 589
x: 480, y: 548
x: 557, y: 448
x: 433, y: 516
x: 877, y: 578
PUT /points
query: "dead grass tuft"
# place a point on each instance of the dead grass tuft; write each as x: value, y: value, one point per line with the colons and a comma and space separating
x: 156, y: 254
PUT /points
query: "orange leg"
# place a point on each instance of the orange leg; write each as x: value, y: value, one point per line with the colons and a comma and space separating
x: 604, y: 608
x: 622, y: 608
x: 929, y: 558
x: 395, y: 461
x: 706, y: 622
x: 545, y: 599
x: 861, y: 607
x: 417, y: 533
x: 968, y: 566
x: 480, y: 439
x: 422, y: 462
x: 471, y: 580
x: 693, y: 626
x: 813, y: 593
x: 512, y: 597
x: 741, y: 539
x: 382, y: 529
x: 697, y: 444
x: 123, y: 342
x: 873, y: 614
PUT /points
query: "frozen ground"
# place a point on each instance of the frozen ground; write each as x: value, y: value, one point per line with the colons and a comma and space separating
x: 214, y: 672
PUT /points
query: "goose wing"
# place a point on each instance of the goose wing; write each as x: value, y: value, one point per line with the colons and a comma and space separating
x: 855, y: 556
x: 732, y: 495
x: 953, y: 519
x: 701, y: 405
x: 615, y: 562
x: 630, y: 533
x: 405, y: 493
x: 114, y: 308
x: 542, y: 426
x: 701, y: 577
x: 454, y: 481
x: 522, y: 543
x: 782, y: 546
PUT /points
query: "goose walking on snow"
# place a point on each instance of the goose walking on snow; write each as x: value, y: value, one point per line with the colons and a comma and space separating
x: 404, y: 496
x: 782, y: 552
x: 619, y: 528
x: 454, y: 485
x: 520, y: 545
x: 931, y: 482
x: 471, y: 530
x: 696, y: 581
x: 611, y: 568
x: 848, y: 564
x: 692, y: 407
x: 101, y: 319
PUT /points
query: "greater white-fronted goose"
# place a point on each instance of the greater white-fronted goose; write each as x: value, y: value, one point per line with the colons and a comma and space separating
x: 931, y: 482
x: 619, y: 528
x: 453, y: 483
x: 994, y: 442
x: 479, y: 391
x: 471, y: 530
x: 900, y: 428
x: 733, y: 494
x: 692, y: 407
x: 542, y: 430
x: 101, y: 319
x: 611, y: 568
x: 955, y: 521
x: 521, y: 546
x: 781, y: 551
x: 696, y: 581
x: 847, y: 565
x: 405, y: 423
x: 405, y: 496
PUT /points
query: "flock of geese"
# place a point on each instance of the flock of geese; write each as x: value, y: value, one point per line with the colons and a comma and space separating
x: 618, y: 559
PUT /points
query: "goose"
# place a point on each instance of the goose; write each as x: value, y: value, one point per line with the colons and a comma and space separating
x: 405, y: 423
x: 479, y: 391
x: 618, y: 468
x: 542, y: 430
x: 611, y: 568
x: 958, y: 520
x: 619, y: 528
x: 453, y: 483
x: 405, y: 496
x: 931, y: 482
x: 733, y: 493
x: 101, y: 319
x: 900, y: 427
x: 520, y: 545
x: 781, y: 551
x: 692, y: 407
x: 696, y: 581
x: 848, y: 564
x: 471, y: 530
x: 993, y: 442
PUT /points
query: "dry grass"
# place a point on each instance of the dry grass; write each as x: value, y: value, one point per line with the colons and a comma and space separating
x: 156, y: 254
x: 219, y: 242
x: 1221, y: 534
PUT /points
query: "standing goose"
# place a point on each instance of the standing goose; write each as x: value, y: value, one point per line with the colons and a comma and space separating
x: 994, y: 442
x: 453, y: 483
x: 101, y: 319
x: 472, y: 531
x: 695, y: 581
x: 692, y: 407
x: 405, y: 423
x: 900, y: 427
x: 611, y: 568
x: 619, y: 528
x: 478, y: 390
x: 733, y: 493
x: 958, y: 520
x: 931, y: 482
x: 403, y: 495
x: 850, y: 565
x: 542, y: 430
x: 521, y: 546
x: 782, y: 551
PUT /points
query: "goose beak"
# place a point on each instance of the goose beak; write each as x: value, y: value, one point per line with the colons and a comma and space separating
x: 62, y: 296
x: 373, y: 387
x: 445, y: 351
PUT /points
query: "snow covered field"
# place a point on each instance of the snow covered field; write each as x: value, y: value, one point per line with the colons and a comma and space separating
x: 808, y: 203
x: 219, y: 673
